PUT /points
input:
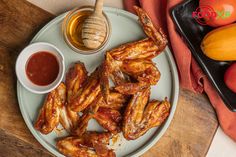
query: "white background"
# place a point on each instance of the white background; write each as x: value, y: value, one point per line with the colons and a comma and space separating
x: 222, y: 146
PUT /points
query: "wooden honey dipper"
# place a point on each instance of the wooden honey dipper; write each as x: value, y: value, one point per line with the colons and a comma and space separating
x: 94, y: 27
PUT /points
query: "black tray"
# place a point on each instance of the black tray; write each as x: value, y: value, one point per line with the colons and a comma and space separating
x: 193, y: 33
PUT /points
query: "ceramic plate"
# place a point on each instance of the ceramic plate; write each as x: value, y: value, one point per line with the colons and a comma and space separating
x: 125, y: 28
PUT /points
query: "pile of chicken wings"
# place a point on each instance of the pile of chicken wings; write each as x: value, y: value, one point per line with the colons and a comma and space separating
x: 116, y: 95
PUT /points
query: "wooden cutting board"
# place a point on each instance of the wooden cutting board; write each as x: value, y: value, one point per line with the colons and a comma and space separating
x: 190, y: 132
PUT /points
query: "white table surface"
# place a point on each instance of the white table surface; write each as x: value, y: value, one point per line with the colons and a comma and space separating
x: 222, y: 145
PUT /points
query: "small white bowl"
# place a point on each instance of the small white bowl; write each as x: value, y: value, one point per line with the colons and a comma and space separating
x: 22, y: 61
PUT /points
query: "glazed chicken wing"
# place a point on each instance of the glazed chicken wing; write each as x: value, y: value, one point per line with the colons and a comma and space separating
x: 143, y: 71
x: 114, y: 70
x: 116, y: 101
x: 104, y: 81
x: 87, y: 115
x: 109, y: 119
x: 49, y: 115
x: 111, y: 69
x: 87, y: 93
x: 89, y: 145
x: 156, y: 34
x: 109, y: 114
x: 106, y: 114
x: 140, y: 116
x: 142, y: 49
x: 74, y: 79
x: 68, y: 118
x: 131, y: 88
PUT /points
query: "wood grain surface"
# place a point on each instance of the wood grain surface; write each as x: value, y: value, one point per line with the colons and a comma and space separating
x: 189, y: 134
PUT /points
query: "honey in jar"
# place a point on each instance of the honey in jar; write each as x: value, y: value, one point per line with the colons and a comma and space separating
x: 72, y: 30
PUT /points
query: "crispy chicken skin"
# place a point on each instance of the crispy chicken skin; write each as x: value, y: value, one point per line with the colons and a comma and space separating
x: 140, y: 116
x: 49, y: 115
x: 90, y: 144
x: 87, y: 93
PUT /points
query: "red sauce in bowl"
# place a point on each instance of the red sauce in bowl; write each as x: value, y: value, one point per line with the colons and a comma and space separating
x: 42, y: 68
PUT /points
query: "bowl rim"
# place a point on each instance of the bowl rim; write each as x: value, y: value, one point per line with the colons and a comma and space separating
x: 65, y: 36
x: 59, y: 77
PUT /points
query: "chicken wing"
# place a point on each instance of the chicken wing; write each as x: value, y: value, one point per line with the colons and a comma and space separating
x: 87, y: 93
x: 49, y: 115
x: 107, y: 115
x: 87, y: 115
x: 141, y: 70
x: 116, y: 101
x: 156, y: 34
x: 67, y: 120
x: 144, y: 71
x: 74, y: 79
x: 111, y: 69
x: 114, y: 70
x: 140, y: 116
x: 91, y: 144
x: 104, y: 81
x: 109, y: 119
x: 134, y: 59
x: 142, y: 49
x: 131, y: 88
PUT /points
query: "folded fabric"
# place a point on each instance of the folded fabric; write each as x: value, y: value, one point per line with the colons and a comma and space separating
x: 191, y: 75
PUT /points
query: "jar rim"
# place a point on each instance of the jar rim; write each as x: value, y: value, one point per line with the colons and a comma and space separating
x: 76, y: 49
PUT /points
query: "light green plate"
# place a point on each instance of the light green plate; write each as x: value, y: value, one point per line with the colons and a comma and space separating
x: 125, y: 28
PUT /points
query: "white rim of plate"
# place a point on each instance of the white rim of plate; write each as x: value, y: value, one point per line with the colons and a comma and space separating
x: 163, y: 127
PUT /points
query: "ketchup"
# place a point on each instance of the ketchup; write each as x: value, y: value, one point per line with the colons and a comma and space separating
x: 42, y: 68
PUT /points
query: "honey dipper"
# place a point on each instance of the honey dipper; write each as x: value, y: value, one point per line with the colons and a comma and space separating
x: 94, y: 27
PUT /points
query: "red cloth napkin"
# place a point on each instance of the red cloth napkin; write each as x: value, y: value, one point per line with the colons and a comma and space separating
x: 191, y: 75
